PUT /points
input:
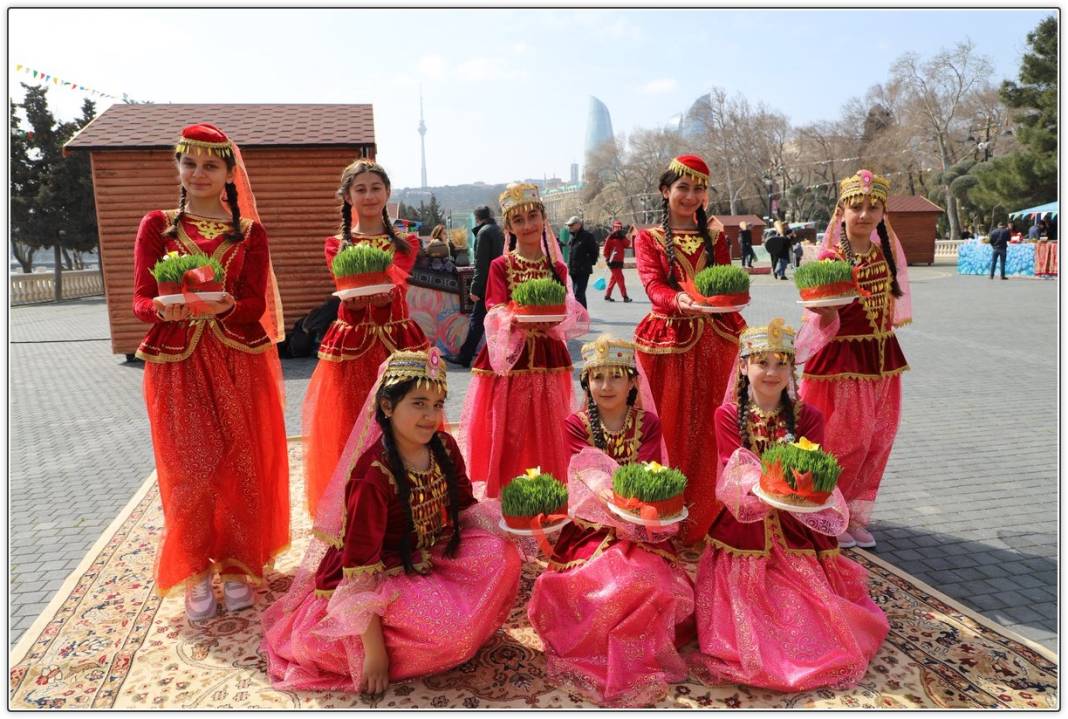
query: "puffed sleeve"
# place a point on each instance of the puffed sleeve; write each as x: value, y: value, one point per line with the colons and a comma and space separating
x: 367, y: 504
x: 561, y: 270
x: 148, y: 249
x: 721, y: 249
x: 728, y: 438
x: 405, y: 261
x: 810, y: 424
x: 575, y: 430
x: 649, y: 451
x: 331, y: 246
x: 652, y: 274
x: 250, y: 287
x: 497, y: 284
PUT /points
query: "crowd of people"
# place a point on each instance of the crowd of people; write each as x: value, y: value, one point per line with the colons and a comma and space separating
x: 408, y: 572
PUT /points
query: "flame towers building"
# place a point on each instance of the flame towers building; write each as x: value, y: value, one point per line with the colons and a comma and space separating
x: 598, y: 127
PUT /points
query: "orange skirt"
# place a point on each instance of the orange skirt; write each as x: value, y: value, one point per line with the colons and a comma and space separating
x: 219, y: 438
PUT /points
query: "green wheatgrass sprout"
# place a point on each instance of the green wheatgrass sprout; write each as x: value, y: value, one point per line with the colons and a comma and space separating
x: 824, y: 272
x: 722, y: 280
x: 527, y: 496
x: 361, y: 260
x: 172, y: 267
x: 543, y: 292
x: 823, y: 465
x: 636, y: 480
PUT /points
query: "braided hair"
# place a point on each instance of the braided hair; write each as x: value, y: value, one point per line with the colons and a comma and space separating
x: 393, y: 394
x: 235, y: 234
x: 888, y: 255
x: 183, y: 196
x: 595, y: 414
x: 348, y: 176
x: 669, y: 178
x: 235, y: 213
x: 742, y: 400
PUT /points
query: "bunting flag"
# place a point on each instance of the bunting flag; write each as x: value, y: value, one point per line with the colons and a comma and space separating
x: 69, y: 84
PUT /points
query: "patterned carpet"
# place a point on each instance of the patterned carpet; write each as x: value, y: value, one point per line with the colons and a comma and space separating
x: 108, y: 641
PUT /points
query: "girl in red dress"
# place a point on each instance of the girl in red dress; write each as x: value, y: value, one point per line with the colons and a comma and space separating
x: 615, y: 249
x: 687, y: 355
x: 520, y: 392
x: 213, y: 384
x: 778, y: 607
x: 613, y: 605
x: 853, y: 376
x: 402, y: 577
x: 366, y: 331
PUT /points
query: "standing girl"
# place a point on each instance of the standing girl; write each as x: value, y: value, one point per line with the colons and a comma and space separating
x: 686, y: 354
x: 778, y: 607
x: 615, y: 250
x: 853, y: 377
x: 213, y: 384
x: 366, y: 331
x: 520, y: 393
x: 399, y: 580
x: 612, y: 605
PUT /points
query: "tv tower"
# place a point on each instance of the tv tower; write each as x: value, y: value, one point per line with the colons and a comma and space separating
x: 422, y: 137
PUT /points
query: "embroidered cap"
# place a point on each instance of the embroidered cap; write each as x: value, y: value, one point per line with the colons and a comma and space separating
x: 519, y: 196
x: 204, y: 137
x: 427, y: 367
x: 692, y: 166
x: 606, y: 351
x: 865, y: 182
x: 773, y: 337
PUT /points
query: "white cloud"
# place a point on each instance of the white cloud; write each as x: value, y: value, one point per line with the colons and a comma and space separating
x: 480, y: 69
x: 431, y: 66
x: 659, y: 87
x: 520, y: 48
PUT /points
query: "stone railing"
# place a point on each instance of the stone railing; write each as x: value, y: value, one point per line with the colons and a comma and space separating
x: 947, y: 248
x: 28, y: 289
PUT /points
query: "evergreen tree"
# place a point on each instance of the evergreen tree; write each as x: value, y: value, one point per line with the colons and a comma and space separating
x: 25, y: 184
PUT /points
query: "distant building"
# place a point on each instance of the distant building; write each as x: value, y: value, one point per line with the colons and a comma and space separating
x: 562, y: 202
x: 574, y: 173
x: 598, y: 126
x: 692, y: 123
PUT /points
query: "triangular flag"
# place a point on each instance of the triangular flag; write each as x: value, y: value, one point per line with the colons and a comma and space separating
x: 55, y: 80
x: 18, y: 68
x: 35, y: 73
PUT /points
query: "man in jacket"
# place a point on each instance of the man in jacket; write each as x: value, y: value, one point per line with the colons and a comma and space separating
x: 778, y: 246
x: 999, y: 243
x: 583, y: 256
x: 489, y: 244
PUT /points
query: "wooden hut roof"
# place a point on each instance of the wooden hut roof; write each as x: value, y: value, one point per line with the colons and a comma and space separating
x: 151, y: 126
x: 910, y: 203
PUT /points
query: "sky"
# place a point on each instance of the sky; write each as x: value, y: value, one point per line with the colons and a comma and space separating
x: 505, y: 91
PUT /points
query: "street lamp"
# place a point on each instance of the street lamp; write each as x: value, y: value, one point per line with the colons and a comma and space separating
x: 768, y: 183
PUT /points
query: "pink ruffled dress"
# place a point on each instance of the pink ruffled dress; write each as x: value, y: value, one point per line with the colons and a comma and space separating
x: 778, y: 606
x: 432, y: 620
x: 614, y: 606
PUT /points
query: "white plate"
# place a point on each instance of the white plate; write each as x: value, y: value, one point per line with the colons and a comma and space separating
x: 635, y: 519
x: 363, y: 291
x: 786, y: 506
x: 539, y: 318
x: 709, y: 309
x: 530, y: 532
x: 180, y: 299
x: 828, y: 301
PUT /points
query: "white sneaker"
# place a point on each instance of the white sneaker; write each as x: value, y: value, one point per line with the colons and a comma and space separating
x: 863, y: 537
x: 200, y: 601
x: 845, y: 540
x: 238, y: 595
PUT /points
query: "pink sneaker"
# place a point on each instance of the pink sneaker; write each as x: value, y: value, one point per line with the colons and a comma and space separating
x: 863, y: 537
x: 845, y: 541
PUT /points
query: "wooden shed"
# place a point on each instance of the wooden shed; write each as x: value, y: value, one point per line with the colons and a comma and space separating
x: 915, y: 220
x: 731, y: 227
x: 294, y: 155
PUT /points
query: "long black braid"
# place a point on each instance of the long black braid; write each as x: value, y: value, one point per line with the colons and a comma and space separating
x: 399, y: 243
x: 511, y: 241
x: 172, y: 231
x: 846, y: 245
x: 346, y: 223
x: 404, y: 488
x: 790, y: 411
x: 665, y: 222
x: 235, y: 213
x: 702, y: 227
x: 888, y: 255
x: 743, y: 409
x: 548, y: 257
x: 441, y: 456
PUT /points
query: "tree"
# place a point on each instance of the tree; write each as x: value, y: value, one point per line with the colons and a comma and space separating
x: 24, y: 187
x: 1028, y: 176
x: 935, y: 91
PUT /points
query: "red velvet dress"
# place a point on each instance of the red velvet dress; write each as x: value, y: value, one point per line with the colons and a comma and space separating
x: 612, y: 611
x: 213, y: 390
x: 778, y: 606
x: 854, y: 380
x: 432, y: 620
x: 358, y: 341
x: 512, y: 421
x: 688, y: 360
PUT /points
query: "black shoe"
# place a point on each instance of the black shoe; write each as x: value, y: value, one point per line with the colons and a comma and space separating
x: 456, y: 360
x: 1004, y: 278
x: 608, y: 299
x: 627, y: 299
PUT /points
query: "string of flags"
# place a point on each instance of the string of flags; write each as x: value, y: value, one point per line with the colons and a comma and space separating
x: 69, y: 84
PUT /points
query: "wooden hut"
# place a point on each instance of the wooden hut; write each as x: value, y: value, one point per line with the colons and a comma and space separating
x: 915, y: 220
x: 294, y: 155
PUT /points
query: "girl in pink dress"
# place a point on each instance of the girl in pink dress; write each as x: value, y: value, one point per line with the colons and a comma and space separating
x: 614, y: 604
x: 402, y: 577
x: 777, y: 605
x: 520, y: 391
x: 854, y: 374
x: 366, y: 331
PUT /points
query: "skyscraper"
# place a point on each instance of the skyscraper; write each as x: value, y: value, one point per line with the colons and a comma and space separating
x: 422, y: 139
x: 598, y: 126
x: 692, y: 126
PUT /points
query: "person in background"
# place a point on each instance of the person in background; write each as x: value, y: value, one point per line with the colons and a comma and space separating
x: 776, y: 245
x: 615, y: 248
x: 1033, y: 232
x: 798, y: 250
x: 489, y: 244
x: 438, y: 245
x: 999, y: 243
x: 582, y: 258
x: 745, y: 241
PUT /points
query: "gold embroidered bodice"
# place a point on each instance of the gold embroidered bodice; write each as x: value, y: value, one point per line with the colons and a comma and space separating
x: 520, y: 269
